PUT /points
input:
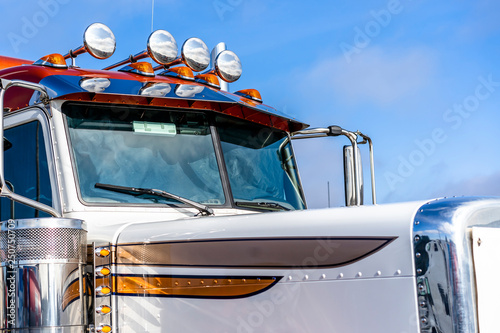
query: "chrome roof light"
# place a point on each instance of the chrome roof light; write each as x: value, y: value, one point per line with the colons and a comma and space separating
x: 161, y: 47
x: 195, y: 54
x: 228, y: 66
x: 98, y: 40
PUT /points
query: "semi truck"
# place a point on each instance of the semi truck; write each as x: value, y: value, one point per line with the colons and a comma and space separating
x: 149, y: 198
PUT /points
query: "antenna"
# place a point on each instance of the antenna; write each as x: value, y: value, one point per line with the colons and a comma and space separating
x: 152, y: 13
x: 328, y: 185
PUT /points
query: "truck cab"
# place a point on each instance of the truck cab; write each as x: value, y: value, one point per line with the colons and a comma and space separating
x: 134, y: 200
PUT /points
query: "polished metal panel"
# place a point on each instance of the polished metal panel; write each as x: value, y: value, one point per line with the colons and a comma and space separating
x: 42, y: 275
x: 42, y: 295
x: 162, y: 47
x: 99, y: 41
x: 445, y: 280
x: 228, y: 66
x: 195, y: 54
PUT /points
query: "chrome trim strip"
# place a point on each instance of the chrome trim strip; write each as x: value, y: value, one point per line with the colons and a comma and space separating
x: 44, y: 223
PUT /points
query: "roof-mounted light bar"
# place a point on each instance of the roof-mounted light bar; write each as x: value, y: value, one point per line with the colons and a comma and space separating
x: 98, y: 40
x: 161, y: 47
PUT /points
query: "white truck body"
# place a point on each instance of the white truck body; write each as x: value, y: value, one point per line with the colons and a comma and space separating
x: 86, y: 249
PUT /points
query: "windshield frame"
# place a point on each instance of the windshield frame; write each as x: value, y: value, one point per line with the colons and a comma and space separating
x: 229, y: 201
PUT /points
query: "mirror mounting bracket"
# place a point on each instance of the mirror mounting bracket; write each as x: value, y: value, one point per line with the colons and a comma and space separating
x: 353, y: 138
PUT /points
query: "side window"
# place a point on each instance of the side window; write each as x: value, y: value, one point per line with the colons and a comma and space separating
x: 26, y: 170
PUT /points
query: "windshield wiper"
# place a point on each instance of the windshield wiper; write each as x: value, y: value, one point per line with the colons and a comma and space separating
x: 204, y: 210
x: 263, y: 205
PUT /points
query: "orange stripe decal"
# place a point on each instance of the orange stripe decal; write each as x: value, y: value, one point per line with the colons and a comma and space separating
x: 191, y: 286
x: 71, y: 293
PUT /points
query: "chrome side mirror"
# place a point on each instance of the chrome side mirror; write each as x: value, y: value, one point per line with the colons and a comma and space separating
x: 353, y: 183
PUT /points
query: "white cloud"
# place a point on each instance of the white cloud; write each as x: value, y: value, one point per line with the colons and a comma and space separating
x: 482, y: 185
x: 375, y: 75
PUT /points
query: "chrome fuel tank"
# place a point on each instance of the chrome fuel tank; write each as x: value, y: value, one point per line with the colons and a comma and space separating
x: 42, y: 275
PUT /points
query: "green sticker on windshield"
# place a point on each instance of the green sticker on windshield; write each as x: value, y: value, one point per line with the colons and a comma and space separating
x: 146, y: 127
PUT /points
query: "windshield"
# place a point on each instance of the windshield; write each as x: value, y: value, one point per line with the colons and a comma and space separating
x: 147, y: 148
x: 260, y: 165
x: 173, y: 151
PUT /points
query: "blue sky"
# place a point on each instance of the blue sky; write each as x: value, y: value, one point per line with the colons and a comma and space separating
x: 421, y: 78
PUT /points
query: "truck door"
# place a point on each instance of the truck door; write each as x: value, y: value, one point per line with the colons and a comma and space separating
x: 27, y: 164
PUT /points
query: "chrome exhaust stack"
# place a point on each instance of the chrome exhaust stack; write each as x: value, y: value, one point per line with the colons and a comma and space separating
x: 42, y: 275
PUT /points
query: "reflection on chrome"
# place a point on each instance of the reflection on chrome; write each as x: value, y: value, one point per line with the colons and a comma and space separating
x: 228, y: 66
x: 187, y: 90
x: 100, y: 41
x: 45, y: 276
x: 95, y: 84
x: 445, y: 280
x: 155, y: 89
x: 162, y: 47
x: 196, y: 55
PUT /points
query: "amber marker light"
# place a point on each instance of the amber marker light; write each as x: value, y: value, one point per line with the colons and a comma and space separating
x: 103, y: 309
x: 208, y: 79
x: 102, y: 251
x: 141, y: 68
x: 52, y: 60
x: 103, y: 328
x: 103, y: 290
x: 192, y: 286
x: 181, y: 72
x: 102, y: 271
x: 252, y: 94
